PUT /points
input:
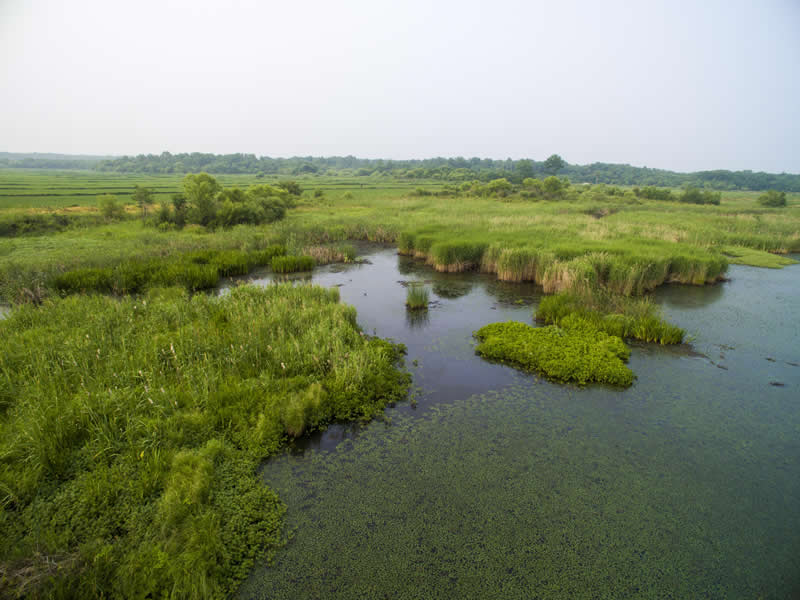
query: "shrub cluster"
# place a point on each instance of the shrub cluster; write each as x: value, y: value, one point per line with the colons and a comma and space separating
x: 773, y: 199
x: 12, y: 225
x: 205, y: 202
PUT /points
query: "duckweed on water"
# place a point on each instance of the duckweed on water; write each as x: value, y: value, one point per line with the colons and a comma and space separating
x: 131, y: 430
x: 581, y: 354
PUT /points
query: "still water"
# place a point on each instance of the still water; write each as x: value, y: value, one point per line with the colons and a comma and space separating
x: 493, y: 483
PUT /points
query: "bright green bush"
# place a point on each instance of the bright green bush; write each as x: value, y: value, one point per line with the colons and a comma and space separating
x: 131, y: 431
x: 581, y: 354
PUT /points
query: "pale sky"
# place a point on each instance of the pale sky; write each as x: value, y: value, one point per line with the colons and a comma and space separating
x: 684, y: 85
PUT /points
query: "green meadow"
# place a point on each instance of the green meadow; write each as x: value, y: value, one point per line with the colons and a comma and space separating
x: 135, y: 409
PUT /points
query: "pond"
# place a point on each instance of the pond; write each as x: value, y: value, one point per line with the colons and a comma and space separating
x: 493, y: 483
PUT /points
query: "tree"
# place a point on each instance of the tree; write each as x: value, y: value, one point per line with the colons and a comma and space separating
x: 143, y: 197
x: 525, y: 169
x: 201, y: 191
x: 554, y: 164
x: 499, y: 187
x: 553, y: 187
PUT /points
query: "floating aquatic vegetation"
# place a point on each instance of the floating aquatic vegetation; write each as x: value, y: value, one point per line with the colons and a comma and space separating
x: 580, y: 354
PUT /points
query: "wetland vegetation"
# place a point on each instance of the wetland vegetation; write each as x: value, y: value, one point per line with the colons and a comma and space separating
x: 134, y: 413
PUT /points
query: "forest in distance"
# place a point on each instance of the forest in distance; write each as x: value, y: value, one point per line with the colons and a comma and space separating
x: 454, y: 169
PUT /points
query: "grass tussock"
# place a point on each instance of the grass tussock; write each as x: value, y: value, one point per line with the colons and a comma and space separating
x: 634, y: 318
x: 417, y: 297
x: 292, y: 264
x: 131, y: 431
x: 579, y: 355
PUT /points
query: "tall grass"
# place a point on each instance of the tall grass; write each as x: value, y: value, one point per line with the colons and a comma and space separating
x: 292, y: 264
x: 417, y: 297
x: 131, y: 429
x: 635, y: 318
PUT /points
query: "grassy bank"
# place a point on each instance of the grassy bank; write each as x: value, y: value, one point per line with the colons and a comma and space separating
x: 592, y: 236
x: 131, y: 429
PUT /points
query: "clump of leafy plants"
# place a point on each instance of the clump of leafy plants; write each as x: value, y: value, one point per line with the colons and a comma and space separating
x: 579, y: 353
x: 131, y: 431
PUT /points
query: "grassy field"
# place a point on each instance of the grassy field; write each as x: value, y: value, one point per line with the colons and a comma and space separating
x: 588, y: 238
x: 123, y: 468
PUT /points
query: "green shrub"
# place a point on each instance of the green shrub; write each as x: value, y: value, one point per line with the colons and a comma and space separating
x: 693, y: 195
x: 581, y: 355
x: 110, y: 207
x: 773, y: 199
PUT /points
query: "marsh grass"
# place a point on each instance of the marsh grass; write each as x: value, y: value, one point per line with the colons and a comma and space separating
x: 624, y: 317
x: 417, y: 297
x: 292, y: 264
x: 195, y: 270
x: 131, y: 430
x: 580, y: 355
x: 331, y: 253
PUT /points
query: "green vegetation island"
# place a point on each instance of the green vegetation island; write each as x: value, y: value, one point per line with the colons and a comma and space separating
x: 163, y: 336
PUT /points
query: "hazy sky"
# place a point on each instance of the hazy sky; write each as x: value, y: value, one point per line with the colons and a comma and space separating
x: 682, y: 85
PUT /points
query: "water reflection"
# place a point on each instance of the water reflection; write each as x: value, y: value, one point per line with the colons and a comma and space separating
x: 417, y: 319
x: 452, y: 288
x: 689, y: 296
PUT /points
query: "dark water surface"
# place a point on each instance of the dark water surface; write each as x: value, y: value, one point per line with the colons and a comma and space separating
x: 497, y: 484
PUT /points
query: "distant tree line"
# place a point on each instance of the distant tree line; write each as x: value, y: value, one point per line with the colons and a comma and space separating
x: 456, y: 170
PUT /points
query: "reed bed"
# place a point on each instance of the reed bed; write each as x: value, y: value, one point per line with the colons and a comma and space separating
x: 331, y: 253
